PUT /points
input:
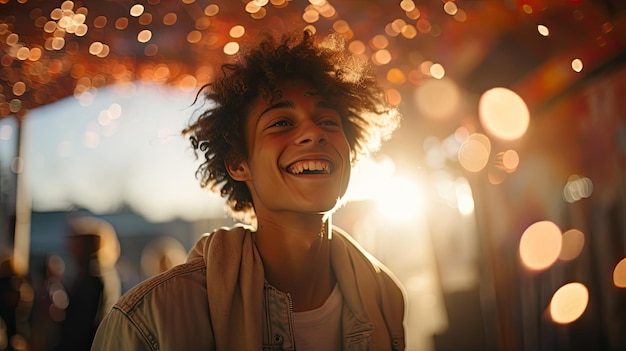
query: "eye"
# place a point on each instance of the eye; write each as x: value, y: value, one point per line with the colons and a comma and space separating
x: 282, y: 123
x: 330, y: 120
x: 278, y: 123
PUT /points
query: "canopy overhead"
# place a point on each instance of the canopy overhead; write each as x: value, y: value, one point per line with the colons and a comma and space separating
x: 54, y: 49
x: 540, y: 49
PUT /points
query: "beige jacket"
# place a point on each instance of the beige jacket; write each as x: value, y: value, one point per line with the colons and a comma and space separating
x: 219, y: 300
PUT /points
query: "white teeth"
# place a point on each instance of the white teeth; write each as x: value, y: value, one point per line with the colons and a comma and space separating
x: 300, y: 167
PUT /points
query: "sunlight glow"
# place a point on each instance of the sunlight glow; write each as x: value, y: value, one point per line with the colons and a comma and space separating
x: 366, y: 177
x: 465, y: 200
x: 396, y: 197
x: 401, y: 200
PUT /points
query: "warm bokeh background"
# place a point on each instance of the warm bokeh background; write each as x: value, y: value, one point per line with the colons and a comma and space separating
x: 499, y: 203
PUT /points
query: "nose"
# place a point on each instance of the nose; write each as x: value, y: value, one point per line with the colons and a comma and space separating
x: 310, y: 132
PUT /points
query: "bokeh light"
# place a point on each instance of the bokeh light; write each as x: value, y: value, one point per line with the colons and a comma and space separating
x: 394, y: 97
x: 379, y: 42
x: 170, y: 19
x: 407, y: 5
x: 573, y: 244
x: 450, y: 8
x: 569, y: 302
x: 144, y: 36
x: 577, y: 188
x: 437, y: 98
x: 136, y: 10
x: 396, y: 76
x: 237, y: 31
x: 474, y: 152
x: 194, y: 36
x: 211, y: 10
x: 619, y: 274
x: 437, y: 71
x: 577, y: 65
x: 381, y: 57
x: 503, y: 113
x: 508, y: 160
x: 231, y: 48
x: 434, y: 59
x: 540, y: 245
x: 356, y: 47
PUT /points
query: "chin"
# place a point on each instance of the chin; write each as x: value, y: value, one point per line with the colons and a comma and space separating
x: 333, y: 206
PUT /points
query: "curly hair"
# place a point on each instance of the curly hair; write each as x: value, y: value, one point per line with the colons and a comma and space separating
x: 347, y: 83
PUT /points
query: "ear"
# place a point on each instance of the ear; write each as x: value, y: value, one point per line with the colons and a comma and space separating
x: 238, y: 169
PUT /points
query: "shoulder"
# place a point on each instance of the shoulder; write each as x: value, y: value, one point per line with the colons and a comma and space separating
x: 344, y: 244
x: 219, y: 240
x: 189, y: 278
x: 178, y: 281
x: 160, y: 312
x: 347, y: 252
x: 368, y: 285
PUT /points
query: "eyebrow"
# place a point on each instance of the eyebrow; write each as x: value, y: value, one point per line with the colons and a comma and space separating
x: 278, y: 105
x: 290, y: 104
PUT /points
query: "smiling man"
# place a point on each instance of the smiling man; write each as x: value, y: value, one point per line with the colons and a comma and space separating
x: 285, y: 124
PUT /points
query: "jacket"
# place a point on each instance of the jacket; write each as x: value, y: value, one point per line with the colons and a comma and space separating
x: 219, y: 300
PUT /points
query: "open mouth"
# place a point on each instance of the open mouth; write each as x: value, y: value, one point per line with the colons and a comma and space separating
x: 310, y: 167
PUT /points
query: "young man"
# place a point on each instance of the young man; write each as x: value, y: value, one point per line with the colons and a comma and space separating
x: 285, y: 124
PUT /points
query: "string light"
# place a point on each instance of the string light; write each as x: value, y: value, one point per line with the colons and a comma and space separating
x: 96, y: 38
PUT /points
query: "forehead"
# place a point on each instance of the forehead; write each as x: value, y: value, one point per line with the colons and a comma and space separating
x: 291, y: 89
x: 293, y: 92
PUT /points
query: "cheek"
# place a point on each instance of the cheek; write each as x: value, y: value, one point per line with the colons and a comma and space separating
x: 346, y: 179
x: 344, y: 149
x: 263, y: 163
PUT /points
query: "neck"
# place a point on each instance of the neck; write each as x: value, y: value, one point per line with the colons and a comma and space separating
x: 296, y: 259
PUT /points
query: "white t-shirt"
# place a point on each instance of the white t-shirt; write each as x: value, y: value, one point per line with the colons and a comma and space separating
x: 320, y: 329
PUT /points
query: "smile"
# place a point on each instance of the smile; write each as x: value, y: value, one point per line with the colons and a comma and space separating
x: 310, y: 167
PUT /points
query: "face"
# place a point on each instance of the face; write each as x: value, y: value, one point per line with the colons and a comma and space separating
x: 299, y: 157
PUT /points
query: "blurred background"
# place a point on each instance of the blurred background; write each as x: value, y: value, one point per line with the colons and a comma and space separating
x: 499, y: 203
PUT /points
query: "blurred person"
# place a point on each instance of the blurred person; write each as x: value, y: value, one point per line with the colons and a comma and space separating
x: 162, y: 254
x: 16, y: 301
x: 94, y: 285
x: 50, y: 303
x: 284, y: 125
